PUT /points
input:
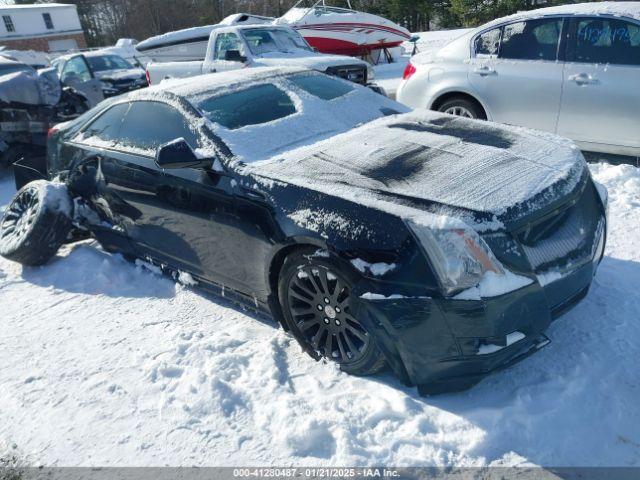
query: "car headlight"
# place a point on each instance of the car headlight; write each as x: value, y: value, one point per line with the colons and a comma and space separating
x: 458, y: 255
x: 371, y: 73
x: 106, y: 84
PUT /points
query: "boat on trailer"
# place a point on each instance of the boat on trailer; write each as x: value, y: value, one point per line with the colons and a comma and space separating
x: 190, y: 44
x: 343, y: 31
x: 328, y: 29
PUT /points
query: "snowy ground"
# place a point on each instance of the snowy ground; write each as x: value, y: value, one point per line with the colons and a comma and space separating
x: 104, y: 363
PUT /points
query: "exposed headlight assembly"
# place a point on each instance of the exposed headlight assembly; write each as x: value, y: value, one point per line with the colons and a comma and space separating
x: 371, y: 73
x: 458, y: 255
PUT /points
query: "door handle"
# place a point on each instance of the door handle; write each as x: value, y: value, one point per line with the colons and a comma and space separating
x: 485, y: 71
x: 583, y: 79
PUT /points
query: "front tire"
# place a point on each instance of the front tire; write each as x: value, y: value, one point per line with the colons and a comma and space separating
x: 315, y: 296
x: 462, y: 107
x: 36, y: 223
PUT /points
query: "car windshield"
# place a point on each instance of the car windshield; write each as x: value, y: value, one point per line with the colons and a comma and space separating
x: 270, y: 40
x: 108, y: 62
x: 276, y: 115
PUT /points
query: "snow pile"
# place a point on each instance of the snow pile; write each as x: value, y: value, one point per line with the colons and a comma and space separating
x: 104, y: 363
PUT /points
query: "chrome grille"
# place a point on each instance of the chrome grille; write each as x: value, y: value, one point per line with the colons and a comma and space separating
x: 570, y: 238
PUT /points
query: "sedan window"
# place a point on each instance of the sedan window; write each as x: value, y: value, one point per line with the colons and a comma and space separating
x: 321, y: 86
x: 226, y: 42
x: 108, y: 62
x: 252, y: 106
x: 603, y: 40
x: 531, y: 40
x: 107, y: 126
x: 488, y: 43
x: 148, y: 125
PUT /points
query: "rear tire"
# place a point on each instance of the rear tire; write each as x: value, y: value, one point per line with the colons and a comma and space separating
x: 314, y: 295
x: 36, y: 223
x: 462, y: 107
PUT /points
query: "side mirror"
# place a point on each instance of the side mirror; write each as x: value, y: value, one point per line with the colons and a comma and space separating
x: 234, y: 56
x: 178, y: 154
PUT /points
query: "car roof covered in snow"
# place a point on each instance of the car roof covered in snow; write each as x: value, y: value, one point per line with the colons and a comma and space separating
x: 99, y: 53
x: 186, y: 87
x: 615, y: 9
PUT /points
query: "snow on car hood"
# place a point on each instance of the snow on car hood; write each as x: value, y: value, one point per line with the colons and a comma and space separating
x: 305, y: 59
x: 437, y: 158
x: 124, y: 74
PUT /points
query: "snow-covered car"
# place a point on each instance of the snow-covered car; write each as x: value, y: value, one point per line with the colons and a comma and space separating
x: 440, y: 246
x: 9, y: 65
x: 116, y: 74
x: 30, y: 102
x: 109, y: 72
x: 572, y: 70
x: 233, y: 47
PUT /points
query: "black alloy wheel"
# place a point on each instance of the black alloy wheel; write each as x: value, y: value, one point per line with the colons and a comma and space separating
x: 317, y: 304
x: 35, y: 224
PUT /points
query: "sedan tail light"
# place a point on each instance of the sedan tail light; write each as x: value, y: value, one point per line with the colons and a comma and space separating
x: 51, y: 132
x: 409, y: 71
x: 146, y: 72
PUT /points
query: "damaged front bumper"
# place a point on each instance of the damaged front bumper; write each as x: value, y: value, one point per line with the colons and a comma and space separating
x: 444, y: 345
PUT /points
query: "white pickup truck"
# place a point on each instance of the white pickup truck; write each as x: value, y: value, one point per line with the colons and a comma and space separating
x: 241, y: 46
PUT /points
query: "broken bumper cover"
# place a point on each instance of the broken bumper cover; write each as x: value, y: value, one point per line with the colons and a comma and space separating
x: 444, y: 345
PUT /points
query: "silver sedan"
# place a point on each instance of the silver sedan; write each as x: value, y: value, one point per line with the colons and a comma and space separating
x: 573, y: 70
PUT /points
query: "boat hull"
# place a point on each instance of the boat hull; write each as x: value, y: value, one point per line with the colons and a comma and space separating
x: 341, y: 42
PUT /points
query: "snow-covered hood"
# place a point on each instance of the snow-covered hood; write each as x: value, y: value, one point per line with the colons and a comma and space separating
x: 119, y: 75
x: 314, y: 61
x: 436, y: 159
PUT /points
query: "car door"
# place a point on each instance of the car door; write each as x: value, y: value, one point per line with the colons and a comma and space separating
x: 516, y: 72
x: 601, y: 100
x: 181, y: 217
x: 227, y: 47
x: 77, y: 74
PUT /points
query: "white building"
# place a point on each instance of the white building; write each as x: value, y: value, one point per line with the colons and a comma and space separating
x: 46, y: 27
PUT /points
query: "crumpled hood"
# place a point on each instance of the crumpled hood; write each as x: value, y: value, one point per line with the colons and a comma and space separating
x: 306, y: 59
x: 438, y: 159
x: 124, y: 74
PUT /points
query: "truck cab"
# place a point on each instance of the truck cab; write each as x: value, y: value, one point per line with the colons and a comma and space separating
x: 233, y: 47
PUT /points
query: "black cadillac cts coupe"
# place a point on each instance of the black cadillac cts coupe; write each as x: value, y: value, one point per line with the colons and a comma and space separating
x: 438, y: 246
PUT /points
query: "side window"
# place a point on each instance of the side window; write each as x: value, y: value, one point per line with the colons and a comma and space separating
x: 488, y: 43
x: 531, y: 40
x: 226, y: 42
x: 106, y: 127
x: 604, y: 40
x: 252, y: 106
x: 149, y: 124
x: 76, y: 70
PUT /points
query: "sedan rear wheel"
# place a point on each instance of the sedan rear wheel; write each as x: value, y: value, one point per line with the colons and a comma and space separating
x: 316, y: 302
x: 462, y: 107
